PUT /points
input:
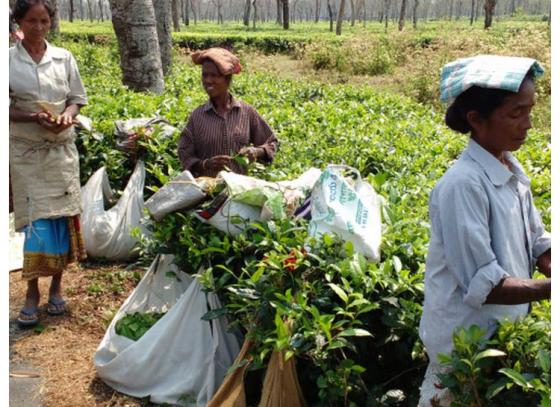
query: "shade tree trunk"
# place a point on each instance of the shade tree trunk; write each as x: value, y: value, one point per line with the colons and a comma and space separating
x: 134, y: 22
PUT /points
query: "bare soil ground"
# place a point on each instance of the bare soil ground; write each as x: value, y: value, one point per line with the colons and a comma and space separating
x: 61, y: 348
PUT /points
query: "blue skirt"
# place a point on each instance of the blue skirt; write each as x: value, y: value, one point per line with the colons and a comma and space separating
x: 48, y: 245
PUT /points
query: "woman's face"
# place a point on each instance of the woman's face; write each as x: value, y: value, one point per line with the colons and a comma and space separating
x: 215, y: 84
x: 506, y: 128
x: 36, y: 23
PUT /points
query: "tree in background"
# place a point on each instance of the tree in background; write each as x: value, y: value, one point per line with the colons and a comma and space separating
x: 134, y: 22
x: 402, y: 15
x: 247, y: 12
x: 175, y: 13
x: 71, y: 11
x: 55, y: 23
x: 340, y: 17
x: 331, y: 15
x: 386, y: 14
x: 286, y: 14
x: 415, y: 13
x: 162, y: 11
x: 489, y: 7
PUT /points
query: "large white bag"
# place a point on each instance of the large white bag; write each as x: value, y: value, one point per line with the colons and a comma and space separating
x: 107, y: 232
x: 227, y: 215
x: 182, y: 192
x: 179, y: 360
x: 17, y: 240
x: 352, y: 212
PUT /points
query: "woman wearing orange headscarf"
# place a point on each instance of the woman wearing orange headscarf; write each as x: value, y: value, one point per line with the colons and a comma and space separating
x: 224, y: 126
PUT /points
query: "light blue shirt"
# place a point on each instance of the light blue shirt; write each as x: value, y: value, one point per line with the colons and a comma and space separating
x: 484, y: 227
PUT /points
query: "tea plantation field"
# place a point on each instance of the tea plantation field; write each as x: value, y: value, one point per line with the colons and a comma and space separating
x: 354, y: 325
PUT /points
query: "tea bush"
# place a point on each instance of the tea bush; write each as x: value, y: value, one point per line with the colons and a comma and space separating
x: 510, y: 369
x: 351, y: 325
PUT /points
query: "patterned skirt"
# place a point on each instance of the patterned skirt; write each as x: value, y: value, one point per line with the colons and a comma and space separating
x: 50, y: 245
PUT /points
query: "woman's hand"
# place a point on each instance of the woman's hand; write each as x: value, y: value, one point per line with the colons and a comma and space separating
x: 46, y: 120
x: 253, y: 153
x: 216, y: 163
x: 55, y: 125
x: 544, y: 263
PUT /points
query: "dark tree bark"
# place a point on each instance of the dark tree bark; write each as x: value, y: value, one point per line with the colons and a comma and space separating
x: 162, y: 12
x: 90, y: 11
x: 101, y: 10
x: 194, y: 11
x: 279, y: 12
x: 359, y: 10
x: 218, y: 4
x: 317, y: 10
x: 254, y: 14
x: 415, y: 14
x: 472, y: 11
x: 402, y: 14
x: 352, y: 13
x: 489, y: 7
x: 71, y: 11
x: 247, y: 13
x: 476, y: 10
x: 55, y: 22
x: 175, y: 11
x: 286, y: 14
x: 186, y: 16
x: 331, y: 17
x: 134, y: 22
x: 339, y: 18
x: 386, y: 15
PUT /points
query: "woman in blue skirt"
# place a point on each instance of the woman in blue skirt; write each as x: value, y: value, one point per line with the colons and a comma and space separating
x: 46, y: 94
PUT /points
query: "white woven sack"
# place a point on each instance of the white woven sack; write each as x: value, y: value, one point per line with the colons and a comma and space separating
x: 181, y: 359
x: 350, y: 211
x: 182, y: 192
x: 107, y: 232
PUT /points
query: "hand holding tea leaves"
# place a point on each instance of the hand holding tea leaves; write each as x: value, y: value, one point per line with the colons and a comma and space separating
x: 218, y: 162
x: 252, y: 153
x: 55, y: 123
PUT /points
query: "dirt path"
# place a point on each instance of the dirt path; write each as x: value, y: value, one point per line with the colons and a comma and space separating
x: 61, y: 349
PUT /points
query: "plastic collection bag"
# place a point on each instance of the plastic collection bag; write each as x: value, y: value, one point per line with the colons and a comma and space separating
x: 352, y: 212
x: 228, y: 215
x: 182, y: 192
x: 107, y: 232
x: 15, y: 254
x: 249, y: 199
x: 182, y: 359
x: 128, y: 132
x: 277, y: 199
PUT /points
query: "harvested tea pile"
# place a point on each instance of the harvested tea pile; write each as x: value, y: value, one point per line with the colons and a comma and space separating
x: 134, y: 326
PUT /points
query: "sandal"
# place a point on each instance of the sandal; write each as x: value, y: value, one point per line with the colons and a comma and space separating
x: 56, y: 307
x: 28, y: 322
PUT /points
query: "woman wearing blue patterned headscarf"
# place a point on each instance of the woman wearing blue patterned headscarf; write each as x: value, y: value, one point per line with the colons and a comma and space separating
x: 486, y: 234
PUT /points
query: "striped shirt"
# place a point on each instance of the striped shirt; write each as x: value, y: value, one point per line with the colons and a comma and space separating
x: 208, y: 134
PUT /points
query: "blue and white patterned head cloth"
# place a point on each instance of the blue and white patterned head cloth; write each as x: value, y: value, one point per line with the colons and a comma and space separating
x: 487, y: 71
